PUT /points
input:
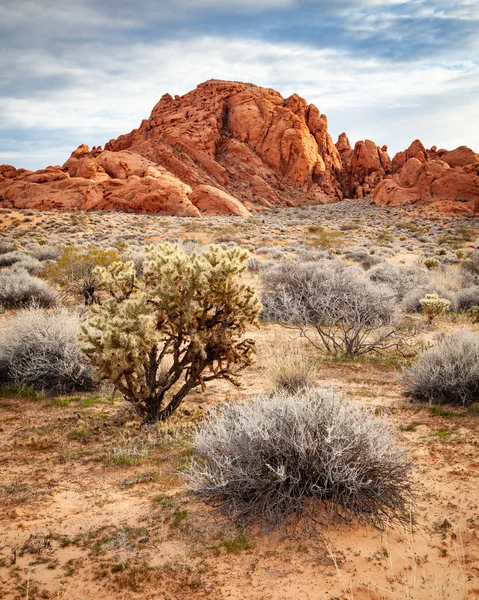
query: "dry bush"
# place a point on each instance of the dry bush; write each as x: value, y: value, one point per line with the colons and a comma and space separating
x: 447, y: 372
x: 471, y: 265
x: 335, y: 306
x: 315, y: 454
x: 468, y: 298
x: 288, y: 366
x: 19, y: 289
x: 41, y: 350
x: 10, y: 258
x: 399, y: 279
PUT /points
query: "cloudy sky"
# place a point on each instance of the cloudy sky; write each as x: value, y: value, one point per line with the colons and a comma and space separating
x: 84, y: 71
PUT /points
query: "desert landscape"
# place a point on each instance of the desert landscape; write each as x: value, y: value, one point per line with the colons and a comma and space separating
x: 239, y: 345
x: 96, y: 505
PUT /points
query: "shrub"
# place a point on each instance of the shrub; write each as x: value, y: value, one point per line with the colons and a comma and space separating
x: 468, y: 298
x: 399, y: 279
x: 447, y: 372
x: 41, y: 350
x: 18, y: 289
x: 74, y: 271
x: 471, y: 265
x: 317, y: 454
x: 178, y: 327
x: 10, y: 258
x: 433, y: 306
x: 432, y: 263
x: 28, y: 263
x: 333, y: 305
x: 288, y: 367
x: 412, y: 300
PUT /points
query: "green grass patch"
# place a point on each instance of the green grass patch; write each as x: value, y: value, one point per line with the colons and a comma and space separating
x: 324, y: 239
x: 442, y: 434
x: 179, y: 516
x: 237, y: 544
x: 163, y: 500
x: 438, y: 411
x: 17, y: 390
x: 411, y: 426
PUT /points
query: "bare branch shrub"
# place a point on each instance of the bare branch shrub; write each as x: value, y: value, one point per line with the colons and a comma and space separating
x: 399, y: 279
x: 19, y: 289
x: 468, y: 298
x: 315, y: 454
x: 447, y: 372
x: 41, y: 350
x: 335, y: 306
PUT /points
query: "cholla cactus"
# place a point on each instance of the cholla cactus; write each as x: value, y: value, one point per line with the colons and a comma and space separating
x: 434, y: 306
x: 432, y: 263
x: 178, y: 327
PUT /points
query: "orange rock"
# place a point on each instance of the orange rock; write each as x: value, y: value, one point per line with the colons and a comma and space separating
x: 433, y: 182
x: 362, y: 168
x: 230, y: 148
x: 415, y: 150
x: 212, y: 201
x: 460, y: 157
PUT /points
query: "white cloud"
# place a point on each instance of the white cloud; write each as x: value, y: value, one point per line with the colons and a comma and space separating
x: 111, y: 89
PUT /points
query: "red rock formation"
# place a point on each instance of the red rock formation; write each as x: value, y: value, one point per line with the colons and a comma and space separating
x: 231, y: 148
x: 241, y: 145
x: 362, y: 168
x: 435, y: 182
x: 415, y: 150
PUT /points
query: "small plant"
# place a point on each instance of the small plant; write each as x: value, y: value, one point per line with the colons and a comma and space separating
x: 315, y: 454
x: 177, y: 328
x: 288, y: 367
x: 447, y: 372
x: 431, y: 263
x: 433, y: 306
x: 74, y: 271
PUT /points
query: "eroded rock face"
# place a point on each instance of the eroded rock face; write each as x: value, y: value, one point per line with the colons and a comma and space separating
x: 237, y: 147
x: 232, y: 148
x: 362, y: 168
x: 244, y: 139
x: 435, y: 182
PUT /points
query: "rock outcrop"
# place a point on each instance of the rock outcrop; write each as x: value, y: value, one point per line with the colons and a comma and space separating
x: 362, y: 168
x: 447, y: 181
x: 232, y: 148
x: 224, y: 148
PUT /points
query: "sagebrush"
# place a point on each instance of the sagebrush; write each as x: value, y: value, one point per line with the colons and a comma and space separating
x: 41, y: 350
x: 315, y: 454
x: 335, y: 306
x: 19, y: 289
x: 447, y: 372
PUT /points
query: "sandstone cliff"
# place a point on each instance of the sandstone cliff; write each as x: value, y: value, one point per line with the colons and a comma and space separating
x: 447, y: 181
x: 231, y: 148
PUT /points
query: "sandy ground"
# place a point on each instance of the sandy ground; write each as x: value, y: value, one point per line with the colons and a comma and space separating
x: 93, y: 507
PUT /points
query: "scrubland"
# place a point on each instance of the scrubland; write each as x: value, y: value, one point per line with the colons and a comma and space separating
x: 94, y: 503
